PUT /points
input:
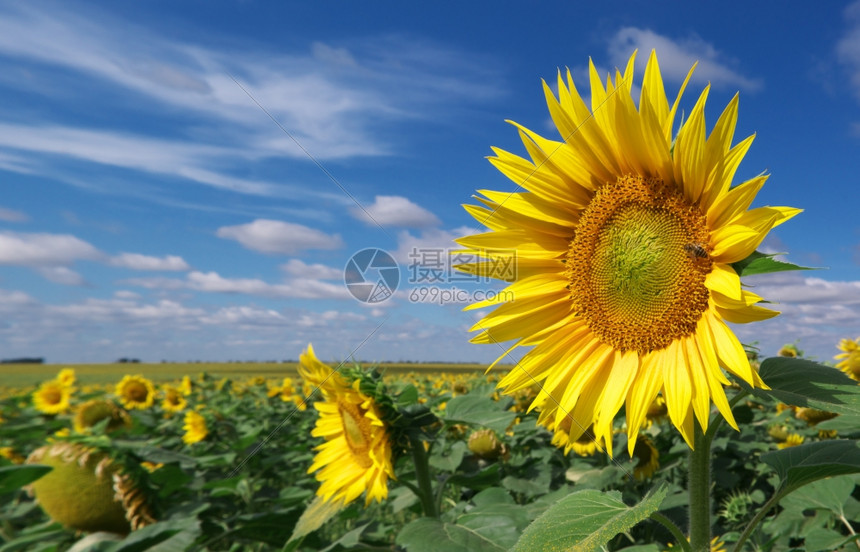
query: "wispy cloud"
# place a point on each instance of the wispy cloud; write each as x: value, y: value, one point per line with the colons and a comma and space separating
x: 339, y: 101
x: 212, y: 282
x: 136, y: 261
x: 848, y: 48
x: 677, y: 55
x: 11, y: 215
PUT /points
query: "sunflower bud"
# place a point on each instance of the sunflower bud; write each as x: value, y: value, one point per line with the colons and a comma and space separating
x: 87, y: 491
x: 486, y: 445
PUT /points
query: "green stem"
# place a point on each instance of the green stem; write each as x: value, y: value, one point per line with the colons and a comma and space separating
x: 422, y: 477
x: 676, y: 532
x: 700, y: 491
x: 779, y: 495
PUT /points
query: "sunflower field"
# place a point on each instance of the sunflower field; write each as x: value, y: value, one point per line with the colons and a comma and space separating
x: 359, y: 460
x: 635, y: 420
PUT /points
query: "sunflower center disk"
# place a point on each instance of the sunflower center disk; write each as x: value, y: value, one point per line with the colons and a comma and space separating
x: 356, y: 432
x: 637, y: 264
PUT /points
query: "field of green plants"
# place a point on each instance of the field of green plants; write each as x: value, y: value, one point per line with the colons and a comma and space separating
x: 209, y: 462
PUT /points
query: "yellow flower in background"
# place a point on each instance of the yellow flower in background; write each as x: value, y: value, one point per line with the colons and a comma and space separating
x: 195, y: 428
x: 849, y: 358
x: 135, y: 392
x: 52, y: 397
x: 151, y: 466
x: 9, y: 454
x: 174, y: 400
x: 356, y: 455
x: 186, y: 386
x: 647, y: 459
x: 792, y: 440
x: 622, y: 244
x: 66, y: 377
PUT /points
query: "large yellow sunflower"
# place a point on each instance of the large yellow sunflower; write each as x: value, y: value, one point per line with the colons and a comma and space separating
x: 135, y: 392
x: 623, y: 241
x: 849, y: 358
x: 356, y: 455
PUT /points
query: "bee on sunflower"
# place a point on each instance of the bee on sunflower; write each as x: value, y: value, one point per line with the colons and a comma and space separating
x: 626, y: 243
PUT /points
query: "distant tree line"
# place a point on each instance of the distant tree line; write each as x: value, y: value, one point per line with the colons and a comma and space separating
x: 23, y: 360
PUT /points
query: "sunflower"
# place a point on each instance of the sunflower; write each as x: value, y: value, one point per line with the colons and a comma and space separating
x: 135, y: 392
x: 317, y: 375
x: 850, y: 357
x: 52, y: 397
x: 66, y: 377
x: 356, y: 454
x: 647, y: 459
x: 623, y: 243
x: 195, y: 428
x: 186, y: 386
x: 174, y: 400
x: 94, y: 411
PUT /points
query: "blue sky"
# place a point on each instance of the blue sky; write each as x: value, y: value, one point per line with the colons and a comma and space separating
x: 151, y: 209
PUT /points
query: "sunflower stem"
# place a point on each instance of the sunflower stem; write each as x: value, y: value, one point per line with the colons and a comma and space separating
x: 422, y: 477
x: 700, y: 491
x: 676, y: 532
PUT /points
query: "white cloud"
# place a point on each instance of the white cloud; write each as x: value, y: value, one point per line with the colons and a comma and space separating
x: 41, y: 249
x: 297, y: 267
x: 815, y: 311
x: 677, y: 56
x: 212, y: 282
x: 274, y: 236
x: 10, y: 215
x: 61, y: 275
x: 136, y: 261
x: 395, y: 211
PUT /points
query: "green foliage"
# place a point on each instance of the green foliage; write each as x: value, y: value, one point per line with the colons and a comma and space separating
x: 760, y: 263
x: 801, y: 382
x: 586, y: 521
x: 246, y: 486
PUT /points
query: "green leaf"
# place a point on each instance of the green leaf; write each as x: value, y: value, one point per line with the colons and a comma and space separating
x: 489, y: 527
x: 797, y: 466
x: 448, y: 460
x: 14, y: 477
x: 845, y: 425
x: 586, y: 521
x: 165, y: 536
x: 760, y: 263
x: 801, y: 382
x: 408, y: 396
x: 479, y: 411
x: 317, y: 513
x: 825, y: 494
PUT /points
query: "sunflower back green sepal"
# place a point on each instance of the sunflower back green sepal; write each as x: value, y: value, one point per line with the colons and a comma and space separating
x: 761, y: 263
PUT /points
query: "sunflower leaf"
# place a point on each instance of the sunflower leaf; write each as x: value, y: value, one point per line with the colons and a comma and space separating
x: 15, y: 477
x: 801, y: 382
x: 585, y: 521
x: 479, y: 411
x: 492, y: 527
x: 761, y: 263
x: 798, y: 466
